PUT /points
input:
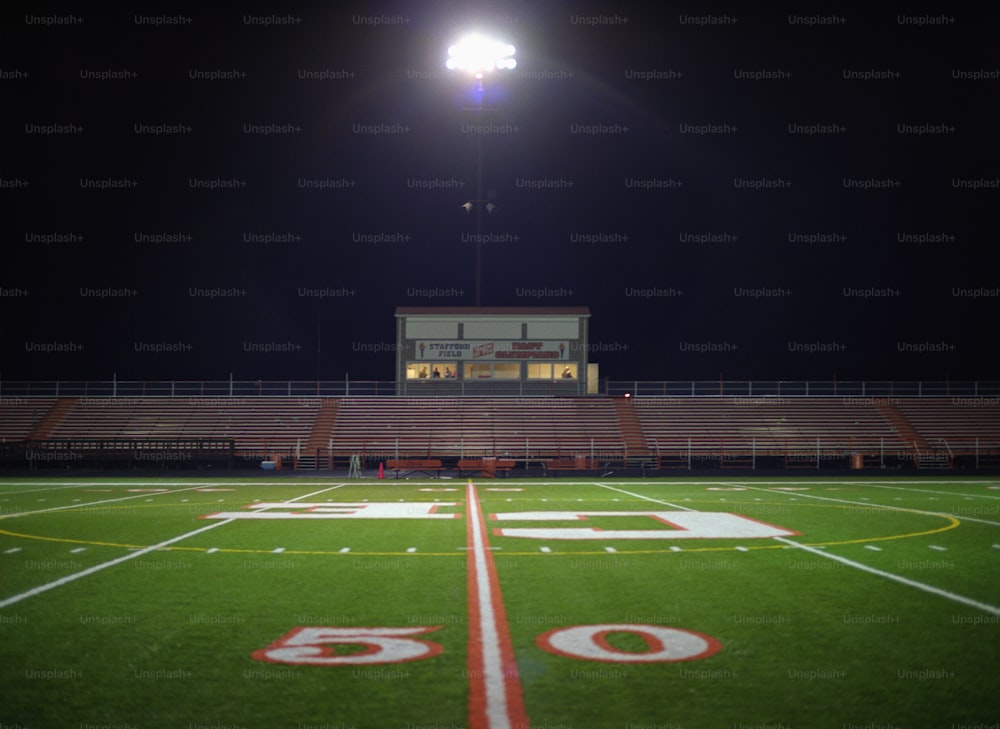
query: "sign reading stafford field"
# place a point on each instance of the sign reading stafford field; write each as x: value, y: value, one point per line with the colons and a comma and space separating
x: 492, y: 349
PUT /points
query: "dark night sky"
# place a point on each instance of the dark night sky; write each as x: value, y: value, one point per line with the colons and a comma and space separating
x: 620, y: 153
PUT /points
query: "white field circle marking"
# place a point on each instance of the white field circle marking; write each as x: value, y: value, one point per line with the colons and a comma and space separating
x: 684, y: 525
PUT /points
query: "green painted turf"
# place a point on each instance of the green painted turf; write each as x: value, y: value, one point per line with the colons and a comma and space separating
x: 165, y: 639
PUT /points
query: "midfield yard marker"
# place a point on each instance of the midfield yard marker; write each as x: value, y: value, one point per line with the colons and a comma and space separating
x: 495, y: 698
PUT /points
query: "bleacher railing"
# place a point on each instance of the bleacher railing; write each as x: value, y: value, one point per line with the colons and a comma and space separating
x: 96, y: 389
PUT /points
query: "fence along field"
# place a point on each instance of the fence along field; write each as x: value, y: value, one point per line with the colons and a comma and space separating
x: 305, y: 602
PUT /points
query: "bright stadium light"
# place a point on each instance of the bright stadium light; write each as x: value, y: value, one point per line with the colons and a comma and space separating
x: 477, y: 55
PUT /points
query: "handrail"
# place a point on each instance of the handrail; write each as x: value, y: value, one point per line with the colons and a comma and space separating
x: 749, y: 390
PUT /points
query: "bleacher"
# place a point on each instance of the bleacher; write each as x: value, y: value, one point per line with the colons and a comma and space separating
x: 766, y: 426
x: 551, y: 433
x: 960, y: 425
x: 476, y: 427
x: 257, y: 425
x: 19, y: 416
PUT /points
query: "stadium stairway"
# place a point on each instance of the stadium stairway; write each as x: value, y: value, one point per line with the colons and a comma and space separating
x: 60, y: 409
x: 637, y: 452
x: 317, y: 454
x: 919, y: 445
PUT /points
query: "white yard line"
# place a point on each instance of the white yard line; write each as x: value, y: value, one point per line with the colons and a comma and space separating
x: 104, y: 565
x: 496, y: 700
x: 131, y: 555
x: 954, y: 597
x: 84, y: 505
x: 931, y: 491
x: 640, y: 496
x: 870, y: 505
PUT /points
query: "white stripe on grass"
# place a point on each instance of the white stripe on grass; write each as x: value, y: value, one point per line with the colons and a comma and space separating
x: 130, y: 556
x: 924, y: 587
x: 104, y: 565
x: 646, y: 498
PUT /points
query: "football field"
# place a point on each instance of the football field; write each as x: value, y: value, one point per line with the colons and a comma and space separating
x: 311, y: 603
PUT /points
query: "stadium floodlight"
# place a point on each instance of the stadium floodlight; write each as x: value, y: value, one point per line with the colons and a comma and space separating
x: 477, y: 55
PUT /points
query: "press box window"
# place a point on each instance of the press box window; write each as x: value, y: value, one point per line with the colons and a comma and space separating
x: 549, y: 371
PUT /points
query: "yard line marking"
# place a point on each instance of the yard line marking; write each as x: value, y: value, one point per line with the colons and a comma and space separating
x: 345, y: 550
x: 610, y: 549
x: 937, y: 548
x: 103, y: 565
x: 931, y: 491
x: 545, y: 549
x: 14, y: 550
x: 277, y: 550
x: 640, y: 496
x: 873, y: 548
x: 315, y: 493
x: 130, y: 555
x: 90, y: 503
x: 870, y: 505
x: 495, y: 698
x: 954, y: 597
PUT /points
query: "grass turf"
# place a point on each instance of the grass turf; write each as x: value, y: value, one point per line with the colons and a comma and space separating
x: 167, y: 639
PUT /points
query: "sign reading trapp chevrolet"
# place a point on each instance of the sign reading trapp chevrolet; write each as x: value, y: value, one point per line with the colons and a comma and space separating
x: 492, y: 349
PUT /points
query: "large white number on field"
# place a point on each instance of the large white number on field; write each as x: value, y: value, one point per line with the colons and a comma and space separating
x: 683, y: 525
x: 335, y: 510
x: 663, y: 644
x: 317, y: 646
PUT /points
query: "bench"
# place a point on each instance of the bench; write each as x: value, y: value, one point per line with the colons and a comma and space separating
x: 428, y: 466
x: 488, y: 466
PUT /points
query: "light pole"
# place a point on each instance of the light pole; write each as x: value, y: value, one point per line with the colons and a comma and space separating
x: 477, y: 55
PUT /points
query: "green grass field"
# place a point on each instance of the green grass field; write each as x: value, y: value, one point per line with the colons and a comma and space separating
x: 306, y: 603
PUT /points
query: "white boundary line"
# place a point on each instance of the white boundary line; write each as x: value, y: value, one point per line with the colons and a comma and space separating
x: 992, y: 609
x: 126, y: 557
